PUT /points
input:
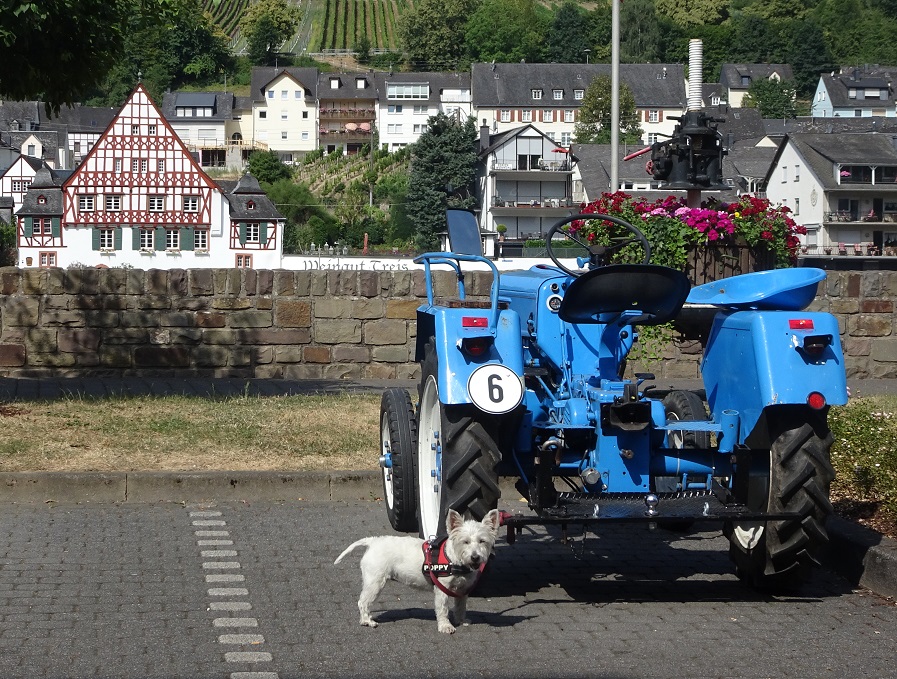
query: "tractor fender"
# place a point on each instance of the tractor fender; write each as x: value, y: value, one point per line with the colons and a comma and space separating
x: 755, y: 360
x: 499, y: 371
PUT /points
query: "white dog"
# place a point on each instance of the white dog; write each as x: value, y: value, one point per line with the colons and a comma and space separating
x: 413, y: 561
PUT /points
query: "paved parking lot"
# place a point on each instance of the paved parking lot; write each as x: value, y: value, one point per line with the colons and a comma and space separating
x: 248, y: 591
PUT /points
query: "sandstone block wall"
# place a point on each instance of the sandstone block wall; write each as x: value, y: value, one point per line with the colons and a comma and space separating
x: 307, y: 324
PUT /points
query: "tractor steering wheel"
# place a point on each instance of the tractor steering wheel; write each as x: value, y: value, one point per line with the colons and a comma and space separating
x: 596, y: 252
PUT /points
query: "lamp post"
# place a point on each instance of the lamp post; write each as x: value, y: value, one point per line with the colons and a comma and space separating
x: 587, y: 51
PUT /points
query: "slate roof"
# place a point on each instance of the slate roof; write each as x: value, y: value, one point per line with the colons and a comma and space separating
x: 490, y: 142
x: 262, y: 76
x: 738, y: 124
x: 731, y: 74
x: 83, y: 119
x: 247, y: 189
x: 348, y: 88
x: 49, y: 140
x: 821, y: 151
x: 838, y: 86
x: 437, y: 81
x: 20, y: 111
x: 222, y: 104
x: 46, y: 184
x: 652, y: 85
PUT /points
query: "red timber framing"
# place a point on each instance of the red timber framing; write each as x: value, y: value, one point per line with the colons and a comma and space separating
x: 253, y: 236
x: 138, y: 174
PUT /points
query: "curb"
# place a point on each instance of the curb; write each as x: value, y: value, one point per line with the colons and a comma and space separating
x: 860, y: 555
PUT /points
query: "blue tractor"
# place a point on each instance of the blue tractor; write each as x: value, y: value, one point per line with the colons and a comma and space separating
x: 531, y: 384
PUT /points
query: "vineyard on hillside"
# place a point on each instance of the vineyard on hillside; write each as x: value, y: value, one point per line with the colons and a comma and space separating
x: 335, y: 24
x: 226, y: 13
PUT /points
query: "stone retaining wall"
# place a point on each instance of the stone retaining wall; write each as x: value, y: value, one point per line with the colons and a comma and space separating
x: 305, y: 324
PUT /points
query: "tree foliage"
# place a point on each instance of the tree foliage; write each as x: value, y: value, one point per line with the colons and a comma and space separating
x: 442, y: 174
x: 267, y: 167
x: 266, y: 25
x: 432, y: 33
x: 568, y: 35
x: 594, y: 126
x: 774, y: 98
x: 59, y: 50
x: 507, y: 31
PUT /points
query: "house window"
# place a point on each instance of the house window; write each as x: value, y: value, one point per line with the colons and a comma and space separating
x: 135, y: 129
x: 201, y: 240
x: 135, y: 164
x: 526, y: 115
x: 270, y: 94
x: 715, y: 100
x: 821, y: 96
x: 144, y: 165
x: 107, y: 239
x: 548, y: 115
x: 191, y: 203
x: 797, y: 173
x: 284, y: 94
x: 172, y: 239
x: 304, y: 136
x: 32, y: 151
x: 420, y: 109
x: 334, y: 83
x: 283, y: 135
x: 283, y: 115
x: 244, y: 261
x: 252, y: 233
x: 151, y: 129
x: 745, y: 80
x: 568, y: 116
x: 297, y: 94
x: 305, y: 115
x: 20, y: 185
x: 654, y: 116
x: 117, y: 165
x: 263, y: 115
x: 408, y: 91
x: 157, y: 203
x: 43, y: 226
x: 394, y: 108
x: 558, y: 94
x: 113, y: 202
x: 47, y: 259
x: 160, y: 165
x: 796, y: 206
x: 85, y: 203
x: 566, y: 138
x: 505, y: 115
x: 394, y: 129
x: 420, y: 129
x: 147, y: 241
x: 578, y: 94
x: 652, y: 138
x: 784, y: 173
x: 537, y: 94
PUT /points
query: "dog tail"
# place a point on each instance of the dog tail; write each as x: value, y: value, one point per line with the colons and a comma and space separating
x: 364, y: 542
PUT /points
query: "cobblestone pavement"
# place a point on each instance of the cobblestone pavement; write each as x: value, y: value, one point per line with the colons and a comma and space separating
x: 248, y: 591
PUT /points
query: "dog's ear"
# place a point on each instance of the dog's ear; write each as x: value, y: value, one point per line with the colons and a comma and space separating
x: 453, y: 521
x: 492, y: 520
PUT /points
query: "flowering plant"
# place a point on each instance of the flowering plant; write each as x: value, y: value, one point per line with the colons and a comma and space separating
x: 672, y: 227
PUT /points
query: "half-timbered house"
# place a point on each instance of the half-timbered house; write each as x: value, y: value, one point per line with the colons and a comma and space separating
x: 139, y: 199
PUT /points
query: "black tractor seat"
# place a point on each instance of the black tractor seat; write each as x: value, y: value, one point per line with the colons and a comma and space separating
x: 603, y: 294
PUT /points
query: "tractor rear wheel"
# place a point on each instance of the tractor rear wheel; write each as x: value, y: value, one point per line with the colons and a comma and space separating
x: 682, y: 405
x: 398, y: 446
x: 778, y: 555
x: 457, y: 456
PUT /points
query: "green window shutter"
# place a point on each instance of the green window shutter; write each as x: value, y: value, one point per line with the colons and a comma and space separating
x: 29, y: 226
x: 187, y: 238
x: 95, y: 238
x: 159, y: 239
x: 55, y: 227
x: 263, y: 233
x: 116, y: 238
x: 135, y: 238
x: 242, y: 233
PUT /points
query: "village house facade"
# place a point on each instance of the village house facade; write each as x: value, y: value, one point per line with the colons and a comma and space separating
x: 139, y: 199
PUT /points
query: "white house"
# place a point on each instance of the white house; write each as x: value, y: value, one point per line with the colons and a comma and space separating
x: 139, y: 199
x: 855, y: 92
x: 841, y: 187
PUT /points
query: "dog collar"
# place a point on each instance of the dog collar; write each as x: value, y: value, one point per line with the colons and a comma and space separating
x: 437, y: 565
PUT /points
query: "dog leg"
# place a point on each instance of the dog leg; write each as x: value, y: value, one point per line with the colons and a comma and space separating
x: 461, y: 611
x: 372, y: 585
x: 443, y: 623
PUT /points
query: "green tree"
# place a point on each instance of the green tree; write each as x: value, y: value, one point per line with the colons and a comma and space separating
x: 694, y: 12
x: 8, y: 243
x: 774, y: 98
x: 306, y: 219
x: 808, y: 53
x: 267, y: 167
x: 58, y: 51
x: 595, y: 114
x: 644, y: 37
x: 442, y: 175
x: 568, y: 35
x: 507, y: 31
x: 432, y: 33
x: 266, y: 24
x: 362, y: 49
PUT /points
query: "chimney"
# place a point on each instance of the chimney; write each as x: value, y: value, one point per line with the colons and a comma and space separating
x: 484, y: 135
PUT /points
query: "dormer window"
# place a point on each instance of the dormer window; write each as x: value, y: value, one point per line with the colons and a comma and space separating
x: 361, y: 83
x: 537, y: 94
x: 250, y: 205
x: 334, y: 83
x: 578, y: 94
x: 41, y: 200
x: 558, y: 94
x: 745, y: 81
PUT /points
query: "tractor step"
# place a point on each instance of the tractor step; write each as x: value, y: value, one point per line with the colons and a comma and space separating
x: 632, y: 507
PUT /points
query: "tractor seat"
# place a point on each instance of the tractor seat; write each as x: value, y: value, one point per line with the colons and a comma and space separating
x: 657, y: 292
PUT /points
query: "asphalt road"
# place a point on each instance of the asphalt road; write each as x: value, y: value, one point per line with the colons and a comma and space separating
x: 247, y: 591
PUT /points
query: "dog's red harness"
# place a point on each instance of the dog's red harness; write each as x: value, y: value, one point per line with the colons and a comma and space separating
x: 437, y: 565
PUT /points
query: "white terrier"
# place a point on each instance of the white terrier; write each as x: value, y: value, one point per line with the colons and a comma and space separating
x: 412, y: 561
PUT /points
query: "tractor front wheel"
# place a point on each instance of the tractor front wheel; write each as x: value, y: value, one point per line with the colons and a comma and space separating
x: 457, y: 456
x: 398, y: 445
x: 778, y: 555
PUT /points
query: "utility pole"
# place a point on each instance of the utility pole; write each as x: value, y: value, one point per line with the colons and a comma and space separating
x: 615, y: 96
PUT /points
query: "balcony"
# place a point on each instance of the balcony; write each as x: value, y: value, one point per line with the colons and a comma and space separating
x: 543, y: 207
x: 348, y: 114
x: 522, y: 170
